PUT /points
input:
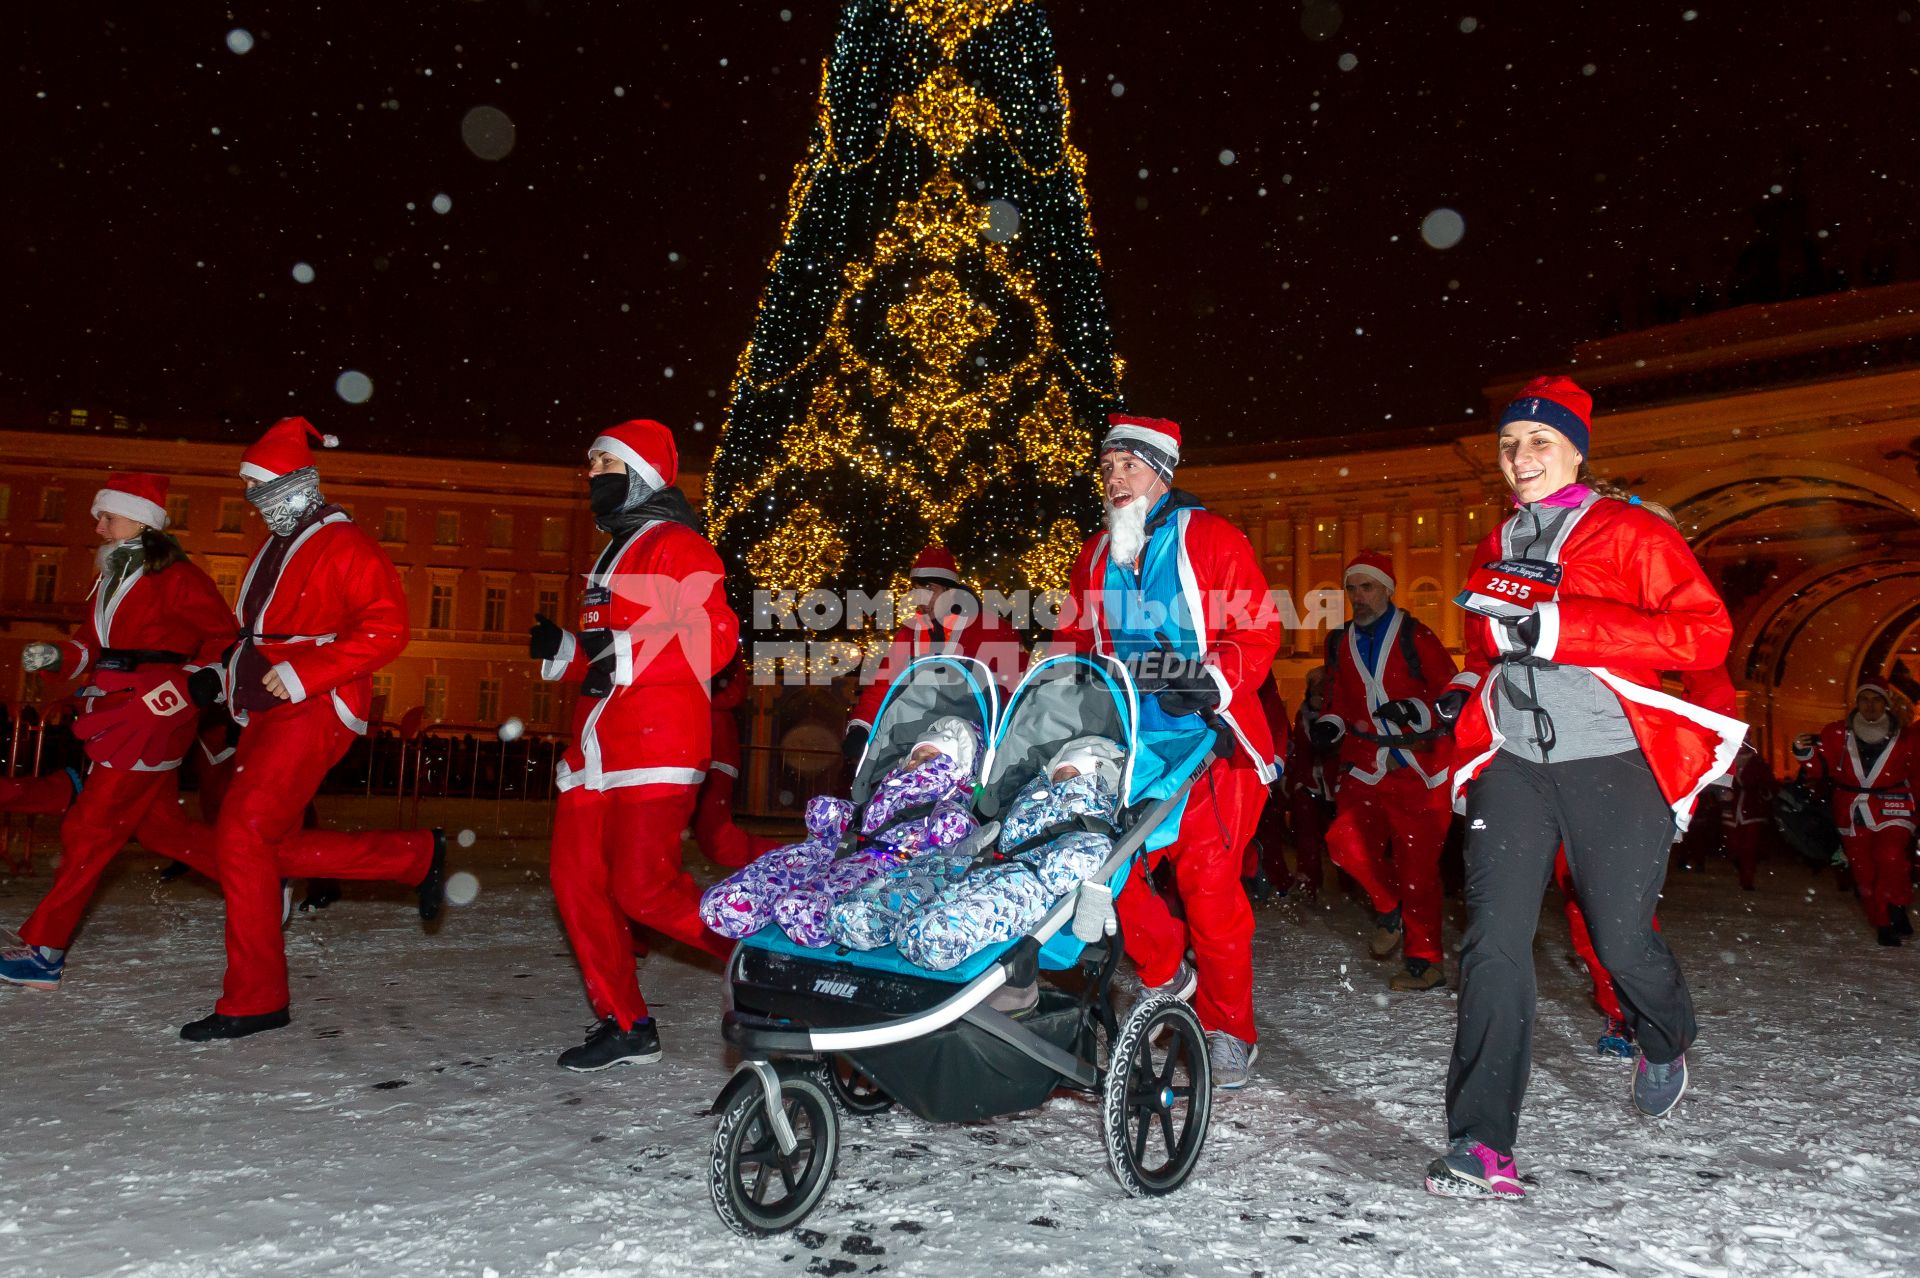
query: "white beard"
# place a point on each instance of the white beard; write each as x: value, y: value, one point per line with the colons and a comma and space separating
x: 105, y: 550
x: 1127, y: 530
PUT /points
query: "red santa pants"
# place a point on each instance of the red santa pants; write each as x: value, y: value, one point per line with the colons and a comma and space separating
x: 1881, y: 874
x: 1222, y: 809
x: 116, y: 804
x: 37, y: 796
x: 1308, y: 813
x: 283, y: 756
x: 1388, y: 836
x: 1743, y: 849
x: 616, y: 857
x: 723, y: 842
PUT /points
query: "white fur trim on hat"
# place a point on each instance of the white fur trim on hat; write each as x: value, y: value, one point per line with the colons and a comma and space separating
x: 1128, y: 432
x: 1877, y: 689
x: 1372, y: 573
x: 934, y: 574
x: 953, y: 737
x: 249, y: 470
x: 138, y: 509
x: 625, y: 452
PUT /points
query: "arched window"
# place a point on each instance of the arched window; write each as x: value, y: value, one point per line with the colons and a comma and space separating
x: 1425, y: 600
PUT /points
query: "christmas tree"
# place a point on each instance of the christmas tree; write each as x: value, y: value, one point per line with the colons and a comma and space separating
x: 932, y: 360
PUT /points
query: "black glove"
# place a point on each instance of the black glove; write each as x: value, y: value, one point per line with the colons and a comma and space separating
x: 543, y: 638
x: 855, y: 742
x: 1405, y: 712
x: 1325, y: 733
x: 203, y: 686
x: 1191, y: 700
x: 598, y: 647
x: 1448, y: 705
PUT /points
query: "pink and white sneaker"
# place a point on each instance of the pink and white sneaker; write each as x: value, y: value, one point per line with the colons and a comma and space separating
x: 1470, y: 1170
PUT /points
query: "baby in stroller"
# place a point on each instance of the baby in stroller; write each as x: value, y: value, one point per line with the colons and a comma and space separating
x: 941, y: 908
x: 919, y: 807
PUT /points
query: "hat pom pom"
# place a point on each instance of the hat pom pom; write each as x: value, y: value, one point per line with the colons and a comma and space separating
x: 329, y: 441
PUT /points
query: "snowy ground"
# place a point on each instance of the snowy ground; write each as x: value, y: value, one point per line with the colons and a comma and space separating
x: 411, y: 1121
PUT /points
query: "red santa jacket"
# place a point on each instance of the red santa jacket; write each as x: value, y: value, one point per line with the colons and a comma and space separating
x: 983, y: 636
x: 658, y: 591
x: 1356, y: 693
x: 1632, y: 602
x: 1307, y: 764
x: 1750, y: 800
x: 1866, y: 798
x: 729, y: 694
x: 334, y: 614
x: 177, y: 609
x: 1239, y: 627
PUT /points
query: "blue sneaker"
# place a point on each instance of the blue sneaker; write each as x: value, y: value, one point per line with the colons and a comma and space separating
x: 1615, y: 1040
x: 1658, y: 1088
x: 34, y: 966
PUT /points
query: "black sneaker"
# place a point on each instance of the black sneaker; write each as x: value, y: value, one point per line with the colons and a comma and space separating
x: 1897, y: 915
x: 1888, y: 935
x: 173, y: 870
x: 208, y: 1028
x: 433, y: 889
x: 608, y: 1045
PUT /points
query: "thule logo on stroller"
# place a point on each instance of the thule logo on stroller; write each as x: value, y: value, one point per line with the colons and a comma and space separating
x: 838, y: 989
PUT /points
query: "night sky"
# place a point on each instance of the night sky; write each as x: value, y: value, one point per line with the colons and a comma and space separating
x: 1612, y: 163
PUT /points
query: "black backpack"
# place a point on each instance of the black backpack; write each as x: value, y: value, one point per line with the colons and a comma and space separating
x: 1337, y: 642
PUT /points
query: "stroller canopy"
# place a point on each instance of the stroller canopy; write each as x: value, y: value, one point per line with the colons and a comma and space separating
x: 928, y: 689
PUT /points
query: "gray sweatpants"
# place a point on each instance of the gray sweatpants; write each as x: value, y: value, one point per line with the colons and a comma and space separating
x: 1617, y: 829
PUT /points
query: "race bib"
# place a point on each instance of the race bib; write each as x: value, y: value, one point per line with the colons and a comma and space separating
x: 1509, y: 588
x: 596, y: 608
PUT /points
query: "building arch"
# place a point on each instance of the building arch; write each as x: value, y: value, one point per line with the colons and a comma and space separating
x: 1711, y: 501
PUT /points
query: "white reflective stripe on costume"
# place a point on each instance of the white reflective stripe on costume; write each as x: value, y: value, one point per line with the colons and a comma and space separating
x: 622, y: 658
x: 568, y: 779
x: 724, y: 769
x: 1730, y: 731
x: 290, y: 680
x: 355, y: 724
x: 104, y: 608
x: 1860, y: 811
x: 266, y: 606
x: 1196, y: 607
x: 1465, y: 679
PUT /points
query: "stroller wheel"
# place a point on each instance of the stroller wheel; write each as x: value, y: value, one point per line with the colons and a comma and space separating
x: 757, y: 1190
x: 1157, y: 1099
x: 857, y: 1094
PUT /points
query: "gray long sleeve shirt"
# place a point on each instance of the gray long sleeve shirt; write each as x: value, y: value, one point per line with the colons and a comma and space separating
x: 1585, y: 715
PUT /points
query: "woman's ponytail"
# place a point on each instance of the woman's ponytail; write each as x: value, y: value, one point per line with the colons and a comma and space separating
x: 1608, y: 488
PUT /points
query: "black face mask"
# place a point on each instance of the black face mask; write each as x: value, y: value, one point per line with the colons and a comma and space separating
x: 607, y: 493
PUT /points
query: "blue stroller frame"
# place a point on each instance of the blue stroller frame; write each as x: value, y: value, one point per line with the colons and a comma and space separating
x: 837, y: 1028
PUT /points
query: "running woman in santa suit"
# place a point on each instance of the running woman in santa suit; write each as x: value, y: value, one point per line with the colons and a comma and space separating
x: 1869, y: 766
x: 320, y: 610
x: 1578, y: 602
x: 1391, y: 801
x: 653, y: 629
x: 1177, y: 592
x: 151, y: 646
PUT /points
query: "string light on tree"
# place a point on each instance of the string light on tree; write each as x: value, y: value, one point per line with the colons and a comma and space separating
x: 932, y: 357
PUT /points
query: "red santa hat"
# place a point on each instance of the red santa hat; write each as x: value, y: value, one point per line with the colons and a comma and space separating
x: 136, y: 496
x: 1154, y: 440
x: 1371, y: 564
x: 645, y: 446
x: 1558, y: 402
x: 936, y: 563
x: 283, y: 449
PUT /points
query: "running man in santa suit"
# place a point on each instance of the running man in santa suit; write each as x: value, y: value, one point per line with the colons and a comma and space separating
x: 1392, y: 803
x: 151, y: 645
x: 1869, y: 765
x: 1135, y: 590
x: 653, y: 629
x: 946, y: 617
x: 320, y: 610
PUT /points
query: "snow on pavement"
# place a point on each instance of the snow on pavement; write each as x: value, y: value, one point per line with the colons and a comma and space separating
x: 412, y: 1121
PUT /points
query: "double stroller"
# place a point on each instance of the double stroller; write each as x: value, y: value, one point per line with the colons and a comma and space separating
x: 833, y: 1029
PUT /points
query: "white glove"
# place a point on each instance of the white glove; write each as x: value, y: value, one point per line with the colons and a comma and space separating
x: 39, y: 656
